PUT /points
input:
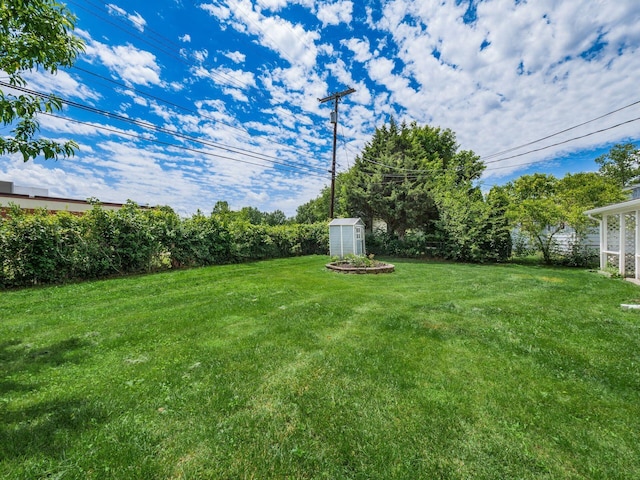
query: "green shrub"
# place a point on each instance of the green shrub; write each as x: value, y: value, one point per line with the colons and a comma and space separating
x: 45, y: 248
x: 201, y: 241
x: 580, y: 256
x: 311, y: 239
x: 29, y: 244
x: 252, y: 242
x: 413, y: 245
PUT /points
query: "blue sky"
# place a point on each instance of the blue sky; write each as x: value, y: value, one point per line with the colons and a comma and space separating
x: 218, y: 99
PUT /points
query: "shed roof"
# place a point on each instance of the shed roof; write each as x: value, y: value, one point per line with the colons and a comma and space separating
x: 345, y: 221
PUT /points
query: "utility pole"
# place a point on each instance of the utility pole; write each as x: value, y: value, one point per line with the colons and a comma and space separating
x: 334, y: 119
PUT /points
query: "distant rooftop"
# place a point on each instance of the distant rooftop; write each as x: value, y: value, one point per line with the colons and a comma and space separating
x: 10, y: 187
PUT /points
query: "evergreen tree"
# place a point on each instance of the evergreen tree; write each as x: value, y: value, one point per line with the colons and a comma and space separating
x: 395, y: 177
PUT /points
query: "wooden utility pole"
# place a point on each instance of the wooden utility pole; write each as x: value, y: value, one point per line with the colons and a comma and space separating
x: 334, y: 119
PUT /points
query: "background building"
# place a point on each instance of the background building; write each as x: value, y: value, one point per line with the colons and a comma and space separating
x: 31, y: 198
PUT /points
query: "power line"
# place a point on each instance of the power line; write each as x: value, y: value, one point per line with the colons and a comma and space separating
x: 558, y: 143
x: 397, y: 168
x: 151, y: 126
x: 155, y: 97
x: 394, y: 167
x: 558, y: 133
x: 160, y: 142
x: 186, y: 109
x: 344, y: 145
x: 225, y: 78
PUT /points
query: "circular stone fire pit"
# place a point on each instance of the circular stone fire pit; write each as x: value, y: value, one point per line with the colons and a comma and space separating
x: 346, y: 267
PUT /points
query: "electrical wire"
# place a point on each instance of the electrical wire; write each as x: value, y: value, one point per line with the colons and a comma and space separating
x: 160, y: 142
x: 491, y: 168
x: 225, y: 78
x: 560, y: 132
x: 151, y: 126
x: 243, y: 130
x: 559, y: 143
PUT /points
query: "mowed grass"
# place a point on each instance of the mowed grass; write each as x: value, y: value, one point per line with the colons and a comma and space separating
x: 282, y: 369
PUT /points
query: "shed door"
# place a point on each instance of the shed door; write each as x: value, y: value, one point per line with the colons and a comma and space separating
x: 359, y: 241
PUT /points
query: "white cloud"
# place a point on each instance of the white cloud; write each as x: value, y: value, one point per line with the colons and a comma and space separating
x: 176, y: 86
x: 237, y: 95
x: 216, y: 10
x: 135, y: 18
x: 236, y: 56
x: 61, y: 125
x: 227, y: 76
x: 360, y: 48
x: 61, y: 83
x: 517, y: 73
x: 291, y: 41
x: 334, y: 13
x: 186, y: 38
x: 276, y: 5
x: 201, y: 55
x: 134, y: 66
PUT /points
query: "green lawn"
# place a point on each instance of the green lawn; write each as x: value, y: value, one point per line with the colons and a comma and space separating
x: 282, y: 369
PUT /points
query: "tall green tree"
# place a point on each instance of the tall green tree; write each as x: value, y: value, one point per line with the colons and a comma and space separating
x: 33, y: 34
x: 395, y: 176
x: 621, y: 164
x: 541, y: 205
x: 583, y: 191
x: 251, y: 215
x: 317, y: 210
x: 277, y: 217
x: 535, y: 211
x: 471, y: 227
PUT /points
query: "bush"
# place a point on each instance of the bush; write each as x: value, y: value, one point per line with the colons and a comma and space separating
x: 258, y: 242
x: 36, y: 248
x: 413, y: 245
x: 253, y: 242
x: 47, y: 248
x: 201, y: 241
x: 580, y: 256
x: 312, y: 239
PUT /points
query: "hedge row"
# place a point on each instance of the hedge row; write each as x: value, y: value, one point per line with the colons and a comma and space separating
x: 41, y: 248
x: 413, y: 245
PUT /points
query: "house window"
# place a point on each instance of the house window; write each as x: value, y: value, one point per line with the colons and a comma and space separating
x: 358, y: 234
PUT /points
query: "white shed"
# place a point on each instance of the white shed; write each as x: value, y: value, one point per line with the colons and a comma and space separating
x: 346, y: 236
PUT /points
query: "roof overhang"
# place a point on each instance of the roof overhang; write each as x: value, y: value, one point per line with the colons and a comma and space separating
x: 616, y: 208
x: 345, y: 222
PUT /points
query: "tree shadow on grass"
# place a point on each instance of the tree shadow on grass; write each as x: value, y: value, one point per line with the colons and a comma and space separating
x: 29, y: 428
x: 45, y: 428
x: 18, y: 359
